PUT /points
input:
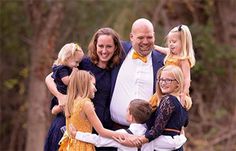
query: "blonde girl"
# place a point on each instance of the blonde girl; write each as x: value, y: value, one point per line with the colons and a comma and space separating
x: 171, y: 114
x: 180, y: 53
x: 80, y: 112
x: 170, y: 80
x: 69, y: 57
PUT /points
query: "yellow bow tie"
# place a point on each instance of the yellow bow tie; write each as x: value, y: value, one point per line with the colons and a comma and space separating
x: 137, y: 56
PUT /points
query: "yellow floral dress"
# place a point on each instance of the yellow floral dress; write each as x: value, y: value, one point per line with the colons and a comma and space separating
x: 172, y: 61
x: 81, y: 123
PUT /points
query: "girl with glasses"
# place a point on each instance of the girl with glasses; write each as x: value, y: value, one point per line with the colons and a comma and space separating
x: 180, y: 53
x: 165, y: 125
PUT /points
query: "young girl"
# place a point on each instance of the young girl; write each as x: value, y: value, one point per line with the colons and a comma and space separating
x: 170, y: 116
x: 139, y: 111
x: 69, y: 57
x: 80, y: 112
x: 180, y: 52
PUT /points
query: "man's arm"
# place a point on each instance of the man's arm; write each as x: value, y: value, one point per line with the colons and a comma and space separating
x: 53, y: 89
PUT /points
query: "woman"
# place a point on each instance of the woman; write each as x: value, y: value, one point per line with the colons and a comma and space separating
x: 104, y: 52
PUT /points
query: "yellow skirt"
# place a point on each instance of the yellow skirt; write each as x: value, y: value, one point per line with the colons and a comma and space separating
x: 70, y: 144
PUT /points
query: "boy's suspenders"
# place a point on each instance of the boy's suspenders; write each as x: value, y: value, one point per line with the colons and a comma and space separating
x: 129, y: 131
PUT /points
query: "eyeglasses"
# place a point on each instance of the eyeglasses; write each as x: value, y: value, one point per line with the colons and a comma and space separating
x: 167, y: 81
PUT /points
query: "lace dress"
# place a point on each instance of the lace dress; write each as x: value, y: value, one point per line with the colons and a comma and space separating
x: 170, y: 114
x: 81, y: 123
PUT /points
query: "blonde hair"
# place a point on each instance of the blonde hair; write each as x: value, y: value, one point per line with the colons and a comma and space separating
x: 79, y: 86
x: 186, y: 42
x: 67, y: 51
x: 179, y: 77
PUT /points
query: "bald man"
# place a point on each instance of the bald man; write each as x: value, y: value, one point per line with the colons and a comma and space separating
x: 135, y: 78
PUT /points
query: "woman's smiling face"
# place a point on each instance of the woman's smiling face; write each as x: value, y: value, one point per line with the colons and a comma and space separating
x: 105, y: 49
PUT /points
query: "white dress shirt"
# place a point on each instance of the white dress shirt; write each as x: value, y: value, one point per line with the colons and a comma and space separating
x: 162, y: 143
x: 165, y: 143
x: 134, y: 81
x: 99, y: 141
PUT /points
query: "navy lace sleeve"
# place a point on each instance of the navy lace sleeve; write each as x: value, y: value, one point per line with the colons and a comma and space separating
x: 163, y: 114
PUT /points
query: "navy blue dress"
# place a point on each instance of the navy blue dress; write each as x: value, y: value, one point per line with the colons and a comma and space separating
x: 54, y: 133
x: 101, y: 99
x: 169, y: 114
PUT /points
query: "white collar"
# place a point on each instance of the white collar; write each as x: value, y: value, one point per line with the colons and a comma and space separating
x: 137, y: 129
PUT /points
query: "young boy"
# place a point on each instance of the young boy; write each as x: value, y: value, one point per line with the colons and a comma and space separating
x: 138, y: 113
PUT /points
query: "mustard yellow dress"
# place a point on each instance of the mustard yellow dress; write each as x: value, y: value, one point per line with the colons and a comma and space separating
x: 172, y: 61
x: 81, y: 123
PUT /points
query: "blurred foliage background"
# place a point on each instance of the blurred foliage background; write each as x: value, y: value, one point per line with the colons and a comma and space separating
x: 33, y: 31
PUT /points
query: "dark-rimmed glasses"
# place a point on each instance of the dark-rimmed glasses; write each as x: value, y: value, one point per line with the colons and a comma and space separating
x: 167, y: 80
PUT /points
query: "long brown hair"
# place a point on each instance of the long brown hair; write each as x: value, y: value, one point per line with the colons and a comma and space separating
x: 78, y: 87
x: 92, y: 48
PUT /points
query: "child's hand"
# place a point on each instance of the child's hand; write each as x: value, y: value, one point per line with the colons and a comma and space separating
x: 182, y: 99
x: 182, y: 131
x: 128, y: 140
x: 62, y: 99
x: 61, y: 106
x: 75, y: 69
x: 72, y: 131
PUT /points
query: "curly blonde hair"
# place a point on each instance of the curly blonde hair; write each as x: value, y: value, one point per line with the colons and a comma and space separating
x: 67, y: 51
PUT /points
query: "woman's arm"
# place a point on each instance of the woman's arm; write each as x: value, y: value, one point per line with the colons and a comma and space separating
x: 96, y: 123
x: 161, y: 49
x: 53, y: 89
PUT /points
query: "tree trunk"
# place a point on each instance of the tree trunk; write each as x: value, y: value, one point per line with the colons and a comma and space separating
x: 225, y: 23
x: 45, y: 32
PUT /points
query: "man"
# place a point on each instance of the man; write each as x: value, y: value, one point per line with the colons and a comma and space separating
x: 135, y: 78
